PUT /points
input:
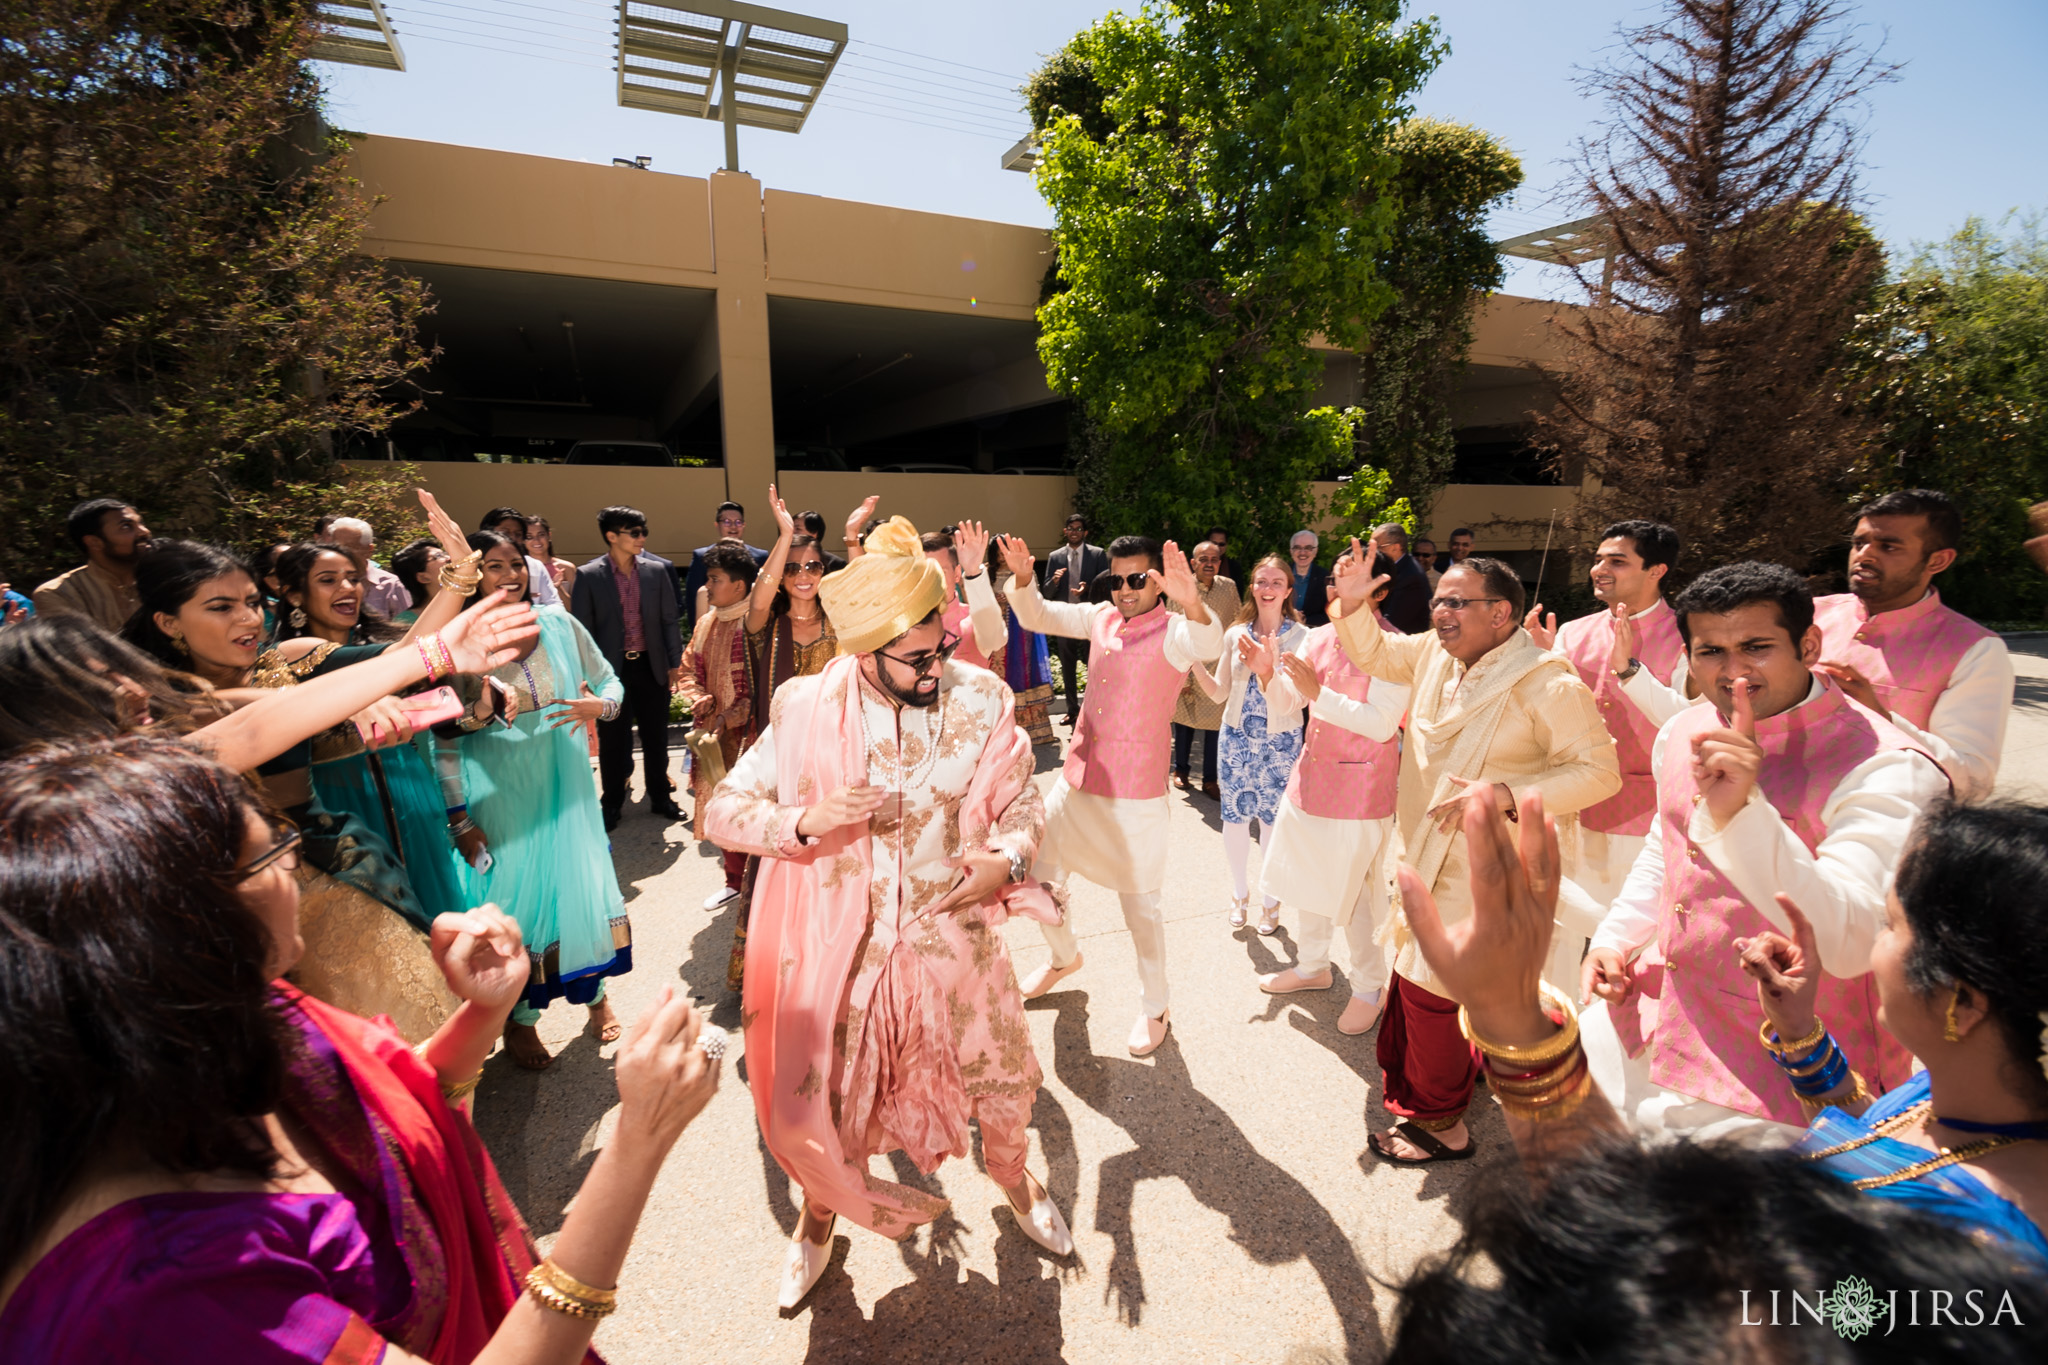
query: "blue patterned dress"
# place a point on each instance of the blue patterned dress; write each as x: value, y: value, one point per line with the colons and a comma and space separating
x: 1255, y: 762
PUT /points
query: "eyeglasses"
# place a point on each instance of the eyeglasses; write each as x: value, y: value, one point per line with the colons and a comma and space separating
x: 282, y: 854
x: 732, y: 521
x: 637, y: 532
x: 1459, y: 603
x: 922, y: 664
x: 808, y: 566
x: 1135, y: 581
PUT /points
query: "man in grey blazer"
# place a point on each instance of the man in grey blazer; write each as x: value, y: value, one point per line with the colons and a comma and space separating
x: 626, y: 599
x: 1068, y: 574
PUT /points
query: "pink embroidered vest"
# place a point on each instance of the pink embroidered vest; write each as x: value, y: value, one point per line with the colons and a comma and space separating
x: 1908, y: 655
x: 1342, y: 775
x: 1122, y: 744
x: 1692, y: 1004
x: 956, y: 619
x: 1589, y: 643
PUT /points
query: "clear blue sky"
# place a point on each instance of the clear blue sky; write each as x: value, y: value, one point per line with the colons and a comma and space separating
x: 924, y: 104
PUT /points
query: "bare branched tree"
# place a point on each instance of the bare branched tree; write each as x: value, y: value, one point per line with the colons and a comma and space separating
x: 1701, y: 384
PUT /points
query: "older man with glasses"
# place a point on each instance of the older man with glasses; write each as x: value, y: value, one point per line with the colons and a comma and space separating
x: 1488, y: 708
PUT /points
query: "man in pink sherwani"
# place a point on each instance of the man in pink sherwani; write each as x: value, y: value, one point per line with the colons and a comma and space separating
x: 891, y: 802
x: 1107, y: 816
x: 1781, y: 783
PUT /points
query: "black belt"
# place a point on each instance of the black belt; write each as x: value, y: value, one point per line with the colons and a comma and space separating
x: 635, y: 653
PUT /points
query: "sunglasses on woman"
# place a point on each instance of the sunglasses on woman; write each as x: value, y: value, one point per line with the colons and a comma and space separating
x: 808, y: 566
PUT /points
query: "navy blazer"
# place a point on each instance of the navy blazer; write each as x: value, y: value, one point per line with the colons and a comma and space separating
x: 1094, y: 562
x: 1315, y: 607
x: 1408, y: 594
x: 594, y: 600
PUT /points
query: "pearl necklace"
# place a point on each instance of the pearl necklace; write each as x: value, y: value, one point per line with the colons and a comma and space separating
x: 916, y: 777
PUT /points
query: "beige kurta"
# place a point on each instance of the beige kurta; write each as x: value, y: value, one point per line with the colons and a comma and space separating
x: 1550, y: 739
x: 1194, y: 709
x: 87, y: 592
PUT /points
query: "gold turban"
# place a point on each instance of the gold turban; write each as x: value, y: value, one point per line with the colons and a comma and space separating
x: 885, y: 592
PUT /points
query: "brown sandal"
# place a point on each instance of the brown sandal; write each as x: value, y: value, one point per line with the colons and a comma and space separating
x: 1424, y: 1139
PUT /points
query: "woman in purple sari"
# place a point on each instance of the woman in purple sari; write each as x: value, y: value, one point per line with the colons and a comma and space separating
x: 216, y: 1167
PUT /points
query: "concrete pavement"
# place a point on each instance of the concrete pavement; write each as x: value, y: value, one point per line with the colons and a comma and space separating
x: 1219, y: 1191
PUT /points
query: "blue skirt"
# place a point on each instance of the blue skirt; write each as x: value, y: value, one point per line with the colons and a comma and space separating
x: 1255, y: 763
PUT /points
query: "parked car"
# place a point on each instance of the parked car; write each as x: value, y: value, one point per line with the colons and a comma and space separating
x: 636, y: 454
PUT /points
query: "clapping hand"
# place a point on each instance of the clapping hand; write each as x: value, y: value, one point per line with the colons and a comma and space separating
x: 1301, y: 675
x: 1257, y: 655
x: 1624, y: 638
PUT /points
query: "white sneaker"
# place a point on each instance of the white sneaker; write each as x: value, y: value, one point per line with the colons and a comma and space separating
x: 720, y: 897
x: 806, y: 1263
x: 1043, y: 1224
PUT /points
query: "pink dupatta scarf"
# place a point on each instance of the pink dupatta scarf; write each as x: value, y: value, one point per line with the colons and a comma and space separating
x: 810, y: 915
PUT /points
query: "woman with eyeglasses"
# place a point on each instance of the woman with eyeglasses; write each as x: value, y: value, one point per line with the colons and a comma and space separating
x: 217, y: 1167
x: 524, y: 813
x: 788, y: 636
x: 1259, y: 744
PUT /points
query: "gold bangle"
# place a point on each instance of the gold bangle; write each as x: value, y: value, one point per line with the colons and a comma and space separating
x: 1558, y: 1105
x: 1549, y: 1050
x: 554, y: 1288
x: 1537, y: 1084
x: 462, y: 1089
x: 1763, y: 1035
x: 1859, y: 1089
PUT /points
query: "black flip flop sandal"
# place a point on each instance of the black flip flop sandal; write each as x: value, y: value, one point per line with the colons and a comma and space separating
x: 1424, y: 1139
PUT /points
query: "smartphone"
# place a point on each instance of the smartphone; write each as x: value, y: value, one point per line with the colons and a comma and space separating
x: 483, y: 861
x: 427, y: 709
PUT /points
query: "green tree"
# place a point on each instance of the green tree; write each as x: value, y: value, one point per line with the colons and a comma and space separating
x: 1953, y: 362
x: 1213, y: 171
x: 1441, y: 263
x: 188, y: 320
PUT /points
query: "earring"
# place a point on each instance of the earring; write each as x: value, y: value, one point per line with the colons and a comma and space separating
x: 178, y: 643
x: 1948, y: 1028
x: 297, y: 618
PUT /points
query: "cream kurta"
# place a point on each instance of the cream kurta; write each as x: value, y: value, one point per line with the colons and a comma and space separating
x: 1317, y: 863
x: 1116, y: 842
x: 1550, y: 739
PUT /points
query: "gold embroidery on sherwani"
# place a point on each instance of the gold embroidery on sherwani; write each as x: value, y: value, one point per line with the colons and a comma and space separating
x: 809, y: 1087
x: 1009, y: 1030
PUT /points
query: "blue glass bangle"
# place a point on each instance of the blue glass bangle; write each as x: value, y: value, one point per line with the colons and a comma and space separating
x: 1830, y: 1077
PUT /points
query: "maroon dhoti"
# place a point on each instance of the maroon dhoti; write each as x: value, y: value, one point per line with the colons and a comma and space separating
x: 1428, y: 1066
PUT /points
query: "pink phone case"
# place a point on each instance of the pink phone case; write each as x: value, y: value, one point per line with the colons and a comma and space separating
x: 432, y: 708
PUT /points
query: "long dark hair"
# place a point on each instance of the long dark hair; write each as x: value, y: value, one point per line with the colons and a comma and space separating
x: 58, y: 681
x: 781, y: 604
x: 134, y: 990
x: 1970, y: 884
x: 168, y: 577
x: 486, y: 541
x: 409, y: 564
x: 295, y: 569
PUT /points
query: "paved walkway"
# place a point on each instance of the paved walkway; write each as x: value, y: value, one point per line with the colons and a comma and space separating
x: 1220, y: 1194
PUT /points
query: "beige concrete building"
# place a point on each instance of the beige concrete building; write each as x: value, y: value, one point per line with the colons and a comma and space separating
x: 834, y: 348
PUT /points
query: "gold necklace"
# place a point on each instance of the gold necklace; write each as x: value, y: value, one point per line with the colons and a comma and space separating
x: 1949, y: 1156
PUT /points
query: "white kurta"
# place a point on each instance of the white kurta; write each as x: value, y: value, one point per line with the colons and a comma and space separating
x: 1840, y: 887
x: 1316, y: 863
x: 1116, y: 842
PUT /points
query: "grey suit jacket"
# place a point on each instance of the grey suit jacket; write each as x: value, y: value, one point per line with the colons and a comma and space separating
x: 594, y: 600
x: 1093, y: 562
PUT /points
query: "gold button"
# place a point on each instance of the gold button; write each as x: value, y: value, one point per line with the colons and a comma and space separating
x: 1859, y: 634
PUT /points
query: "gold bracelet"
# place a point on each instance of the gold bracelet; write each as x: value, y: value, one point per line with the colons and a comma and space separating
x: 1561, y: 1103
x: 552, y: 1287
x: 1540, y: 1082
x: 1549, y: 1050
x: 1859, y: 1089
x: 1763, y: 1035
x: 452, y: 580
x: 462, y: 1089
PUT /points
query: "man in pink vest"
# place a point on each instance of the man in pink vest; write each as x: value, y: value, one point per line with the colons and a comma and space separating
x: 1325, y: 855
x: 1637, y: 633
x: 1781, y: 785
x: 1106, y: 817
x: 1889, y: 643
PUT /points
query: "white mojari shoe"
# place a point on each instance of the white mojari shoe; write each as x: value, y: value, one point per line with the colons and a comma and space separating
x: 1043, y: 1223
x: 806, y: 1263
x: 720, y: 897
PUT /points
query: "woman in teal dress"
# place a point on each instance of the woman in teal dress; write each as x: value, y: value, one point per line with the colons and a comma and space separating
x: 532, y: 835
x: 1961, y: 970
x: 394, y: 790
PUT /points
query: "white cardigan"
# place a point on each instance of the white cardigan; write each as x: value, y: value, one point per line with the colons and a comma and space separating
x: 1231, y: 678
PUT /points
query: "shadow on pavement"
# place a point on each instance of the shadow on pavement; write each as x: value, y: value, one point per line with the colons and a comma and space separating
x: 532, y: 1123
x: 1181, y: 1133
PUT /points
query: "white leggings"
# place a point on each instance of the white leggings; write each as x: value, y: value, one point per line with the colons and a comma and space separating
x: 1237, y: 846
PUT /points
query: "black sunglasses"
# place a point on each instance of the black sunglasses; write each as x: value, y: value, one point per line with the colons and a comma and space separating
x: 922, y: 663
x: 1133, y: 580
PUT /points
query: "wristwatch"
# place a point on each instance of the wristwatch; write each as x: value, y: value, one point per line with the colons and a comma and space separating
x: 1634, y: 665
x: 1019, y: 869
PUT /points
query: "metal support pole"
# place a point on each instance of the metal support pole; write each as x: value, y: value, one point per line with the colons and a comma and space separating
x: 729, y: 105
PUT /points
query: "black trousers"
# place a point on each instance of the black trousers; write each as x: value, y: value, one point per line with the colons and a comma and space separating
x: 646, y: 706
x: 1183, y: 744
x: 1073, y: 653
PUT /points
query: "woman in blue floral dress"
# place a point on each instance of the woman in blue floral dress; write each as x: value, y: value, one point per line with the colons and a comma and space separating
x: 1258, y: 749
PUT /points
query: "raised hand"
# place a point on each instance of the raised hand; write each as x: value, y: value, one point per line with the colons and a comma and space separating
x: 490, y: 634
x: 1301, y: 676
x: 970, y: 548
x: 481, y: 956
x: 1542, y: 629
x: 1178, y: 578
x: 1017, y: 558
x: 1355, y: 580
x: 1491, y: 962
x: 1624, y: 638
x: 1786, y: 972
x: 784, y: 522
x: 842, y: 807
x: 583, y: 713
x: 1725, y: 762
x: 453, y: 540
x: 859, y: 518
x: 665, y: 1079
